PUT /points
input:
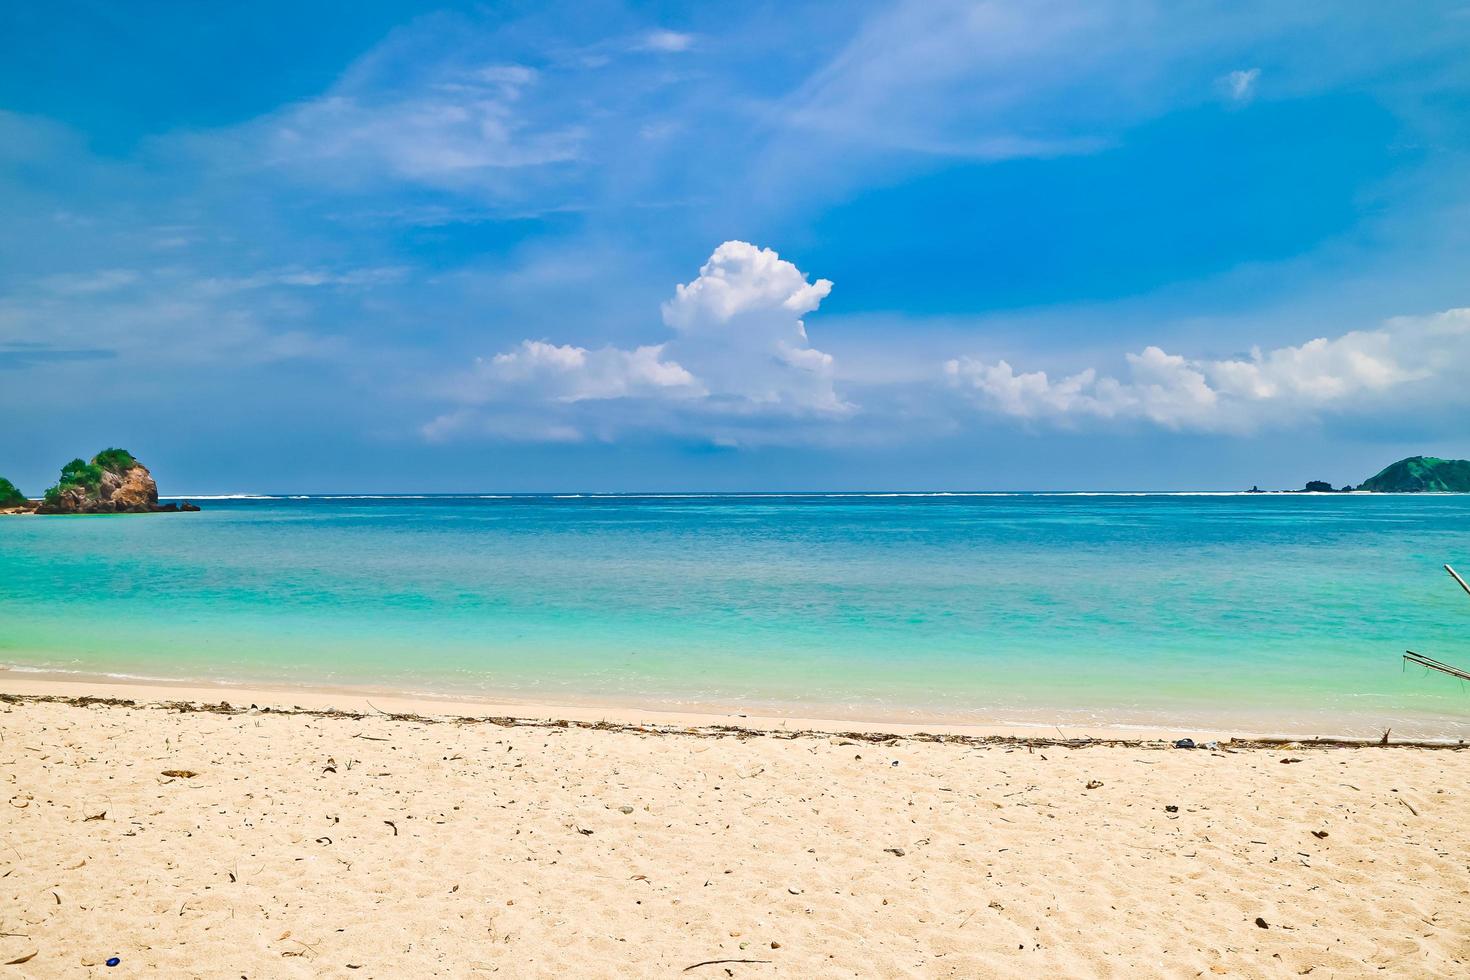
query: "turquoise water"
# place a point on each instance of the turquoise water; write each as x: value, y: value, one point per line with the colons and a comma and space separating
x: 1281, y: 612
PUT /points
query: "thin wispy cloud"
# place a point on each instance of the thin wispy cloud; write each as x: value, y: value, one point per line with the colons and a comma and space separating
x: 457, y: 130
x: 667, y: 41
x: 1239, y: 86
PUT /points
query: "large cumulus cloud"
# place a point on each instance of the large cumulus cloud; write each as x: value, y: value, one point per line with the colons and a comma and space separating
x: 739, y: 350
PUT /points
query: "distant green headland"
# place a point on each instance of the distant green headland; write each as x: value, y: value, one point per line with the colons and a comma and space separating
x: 1422, y: 474
x: 113, y: 482
x: 1417, y: 474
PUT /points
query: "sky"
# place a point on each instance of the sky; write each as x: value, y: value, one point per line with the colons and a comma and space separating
x: 382, y: 246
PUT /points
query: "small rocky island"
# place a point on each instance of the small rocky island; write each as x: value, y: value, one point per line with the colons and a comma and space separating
x: 114, y: 482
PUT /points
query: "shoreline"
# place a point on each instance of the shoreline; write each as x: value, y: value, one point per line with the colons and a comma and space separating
x: 40, y: 685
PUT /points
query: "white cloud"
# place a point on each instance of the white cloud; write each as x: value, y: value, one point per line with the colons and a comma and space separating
x: 565, y: 373
x: 178, y: 315
x: 739, y: 351
x: 443, y: 131
x: 666, y: 41
x: 1412, y: 360
x: 101, y: 281
x: 1239, y: 86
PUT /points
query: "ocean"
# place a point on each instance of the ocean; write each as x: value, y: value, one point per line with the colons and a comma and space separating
x: 1266, y: 613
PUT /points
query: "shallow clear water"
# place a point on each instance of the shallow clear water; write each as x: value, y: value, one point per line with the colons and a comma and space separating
x: 1281, y: 612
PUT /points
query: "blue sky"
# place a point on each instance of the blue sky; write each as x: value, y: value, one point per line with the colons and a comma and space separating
x: 621, y: 246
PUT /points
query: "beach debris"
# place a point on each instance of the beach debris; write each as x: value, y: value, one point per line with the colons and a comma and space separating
x: 393, y: 825
x: 1262, y: 923
x: 695, y: 966
x: 625, y: 810
x: 113, y: 960
x: 179, y: 773
x: 1319, y: 834
x: 1094, y: 784
x: 1409, y: 805
x: 1171, y: 808
x: 897, y: 852
x: 1288, y: 761
x: 22, y: 959
x: 1212, y: 746
x: 1184, y: 743
x: 96, y: 816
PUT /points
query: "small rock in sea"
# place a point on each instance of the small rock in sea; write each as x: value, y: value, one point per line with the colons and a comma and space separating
x: 1184, y: 743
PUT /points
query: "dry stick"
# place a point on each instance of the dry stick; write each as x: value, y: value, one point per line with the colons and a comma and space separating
x: 1456, y: 576
x: 1432, y: 664
x: 1424, y: 659
x: 713, y: 962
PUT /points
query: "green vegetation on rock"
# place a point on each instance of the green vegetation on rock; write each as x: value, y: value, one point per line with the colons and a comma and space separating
x: 1422, y: 474
x: 88, y: 476
x: 115, y: 460
x: 9, y: 495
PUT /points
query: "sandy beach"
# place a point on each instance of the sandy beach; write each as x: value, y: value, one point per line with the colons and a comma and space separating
x: 254, y: 842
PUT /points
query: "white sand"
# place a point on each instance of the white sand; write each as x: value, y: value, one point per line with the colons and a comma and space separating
x: 372, y: 847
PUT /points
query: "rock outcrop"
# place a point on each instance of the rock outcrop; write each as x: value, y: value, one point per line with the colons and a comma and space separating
x: 131, y: 491
x: 112, y: 483
x: 1422, y: 474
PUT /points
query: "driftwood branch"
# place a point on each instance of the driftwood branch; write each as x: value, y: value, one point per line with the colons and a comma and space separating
x: 1432, y: 664
x: 1456, y: 576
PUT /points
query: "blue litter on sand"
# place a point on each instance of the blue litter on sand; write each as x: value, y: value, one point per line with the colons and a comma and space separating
x: 113, y: 961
